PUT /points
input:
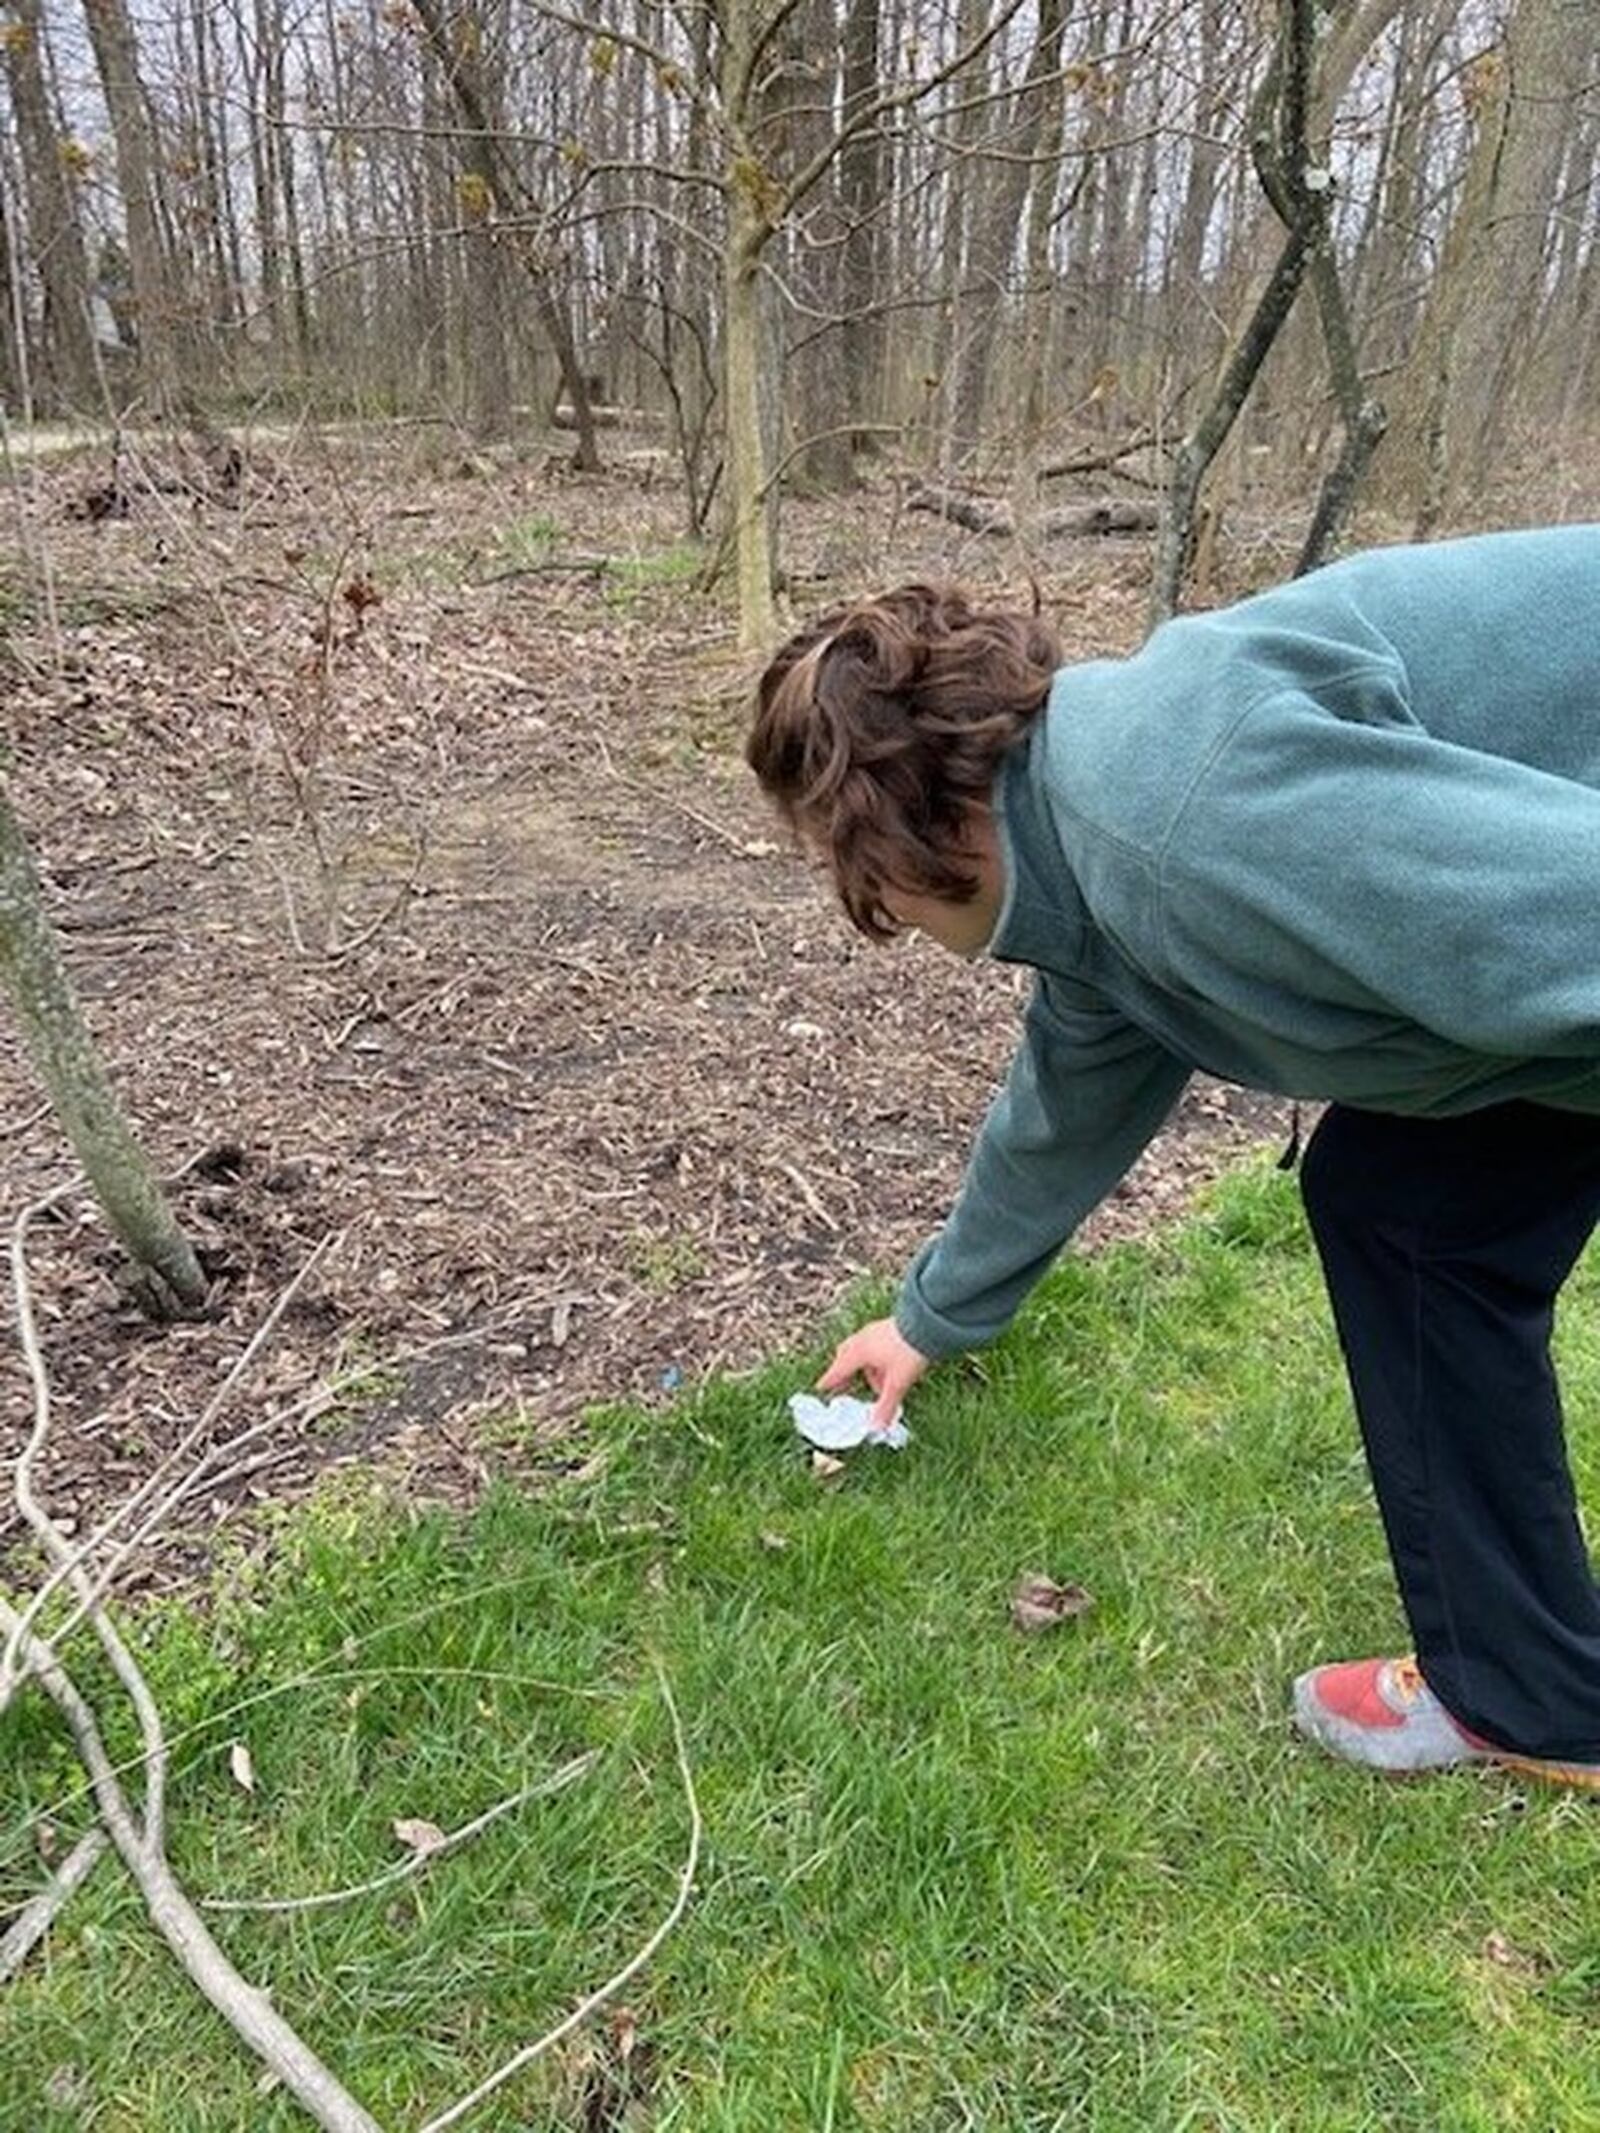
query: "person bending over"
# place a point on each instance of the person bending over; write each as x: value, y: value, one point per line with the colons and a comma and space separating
x: 1340, y: 841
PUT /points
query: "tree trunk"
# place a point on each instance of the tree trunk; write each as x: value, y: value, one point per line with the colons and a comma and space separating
x: 64, y: 376
x: 35, y: 976
x: 747, y: 467
x: 815, y: 361
x: 996, y: 222
x: 1451, y: 399
x: 117, y: 60
x: 486, y: 163
x: 862, y: 261
x: 743, y: 336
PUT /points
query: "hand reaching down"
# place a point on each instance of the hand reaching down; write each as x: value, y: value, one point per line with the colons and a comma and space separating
x: 882, y: 1355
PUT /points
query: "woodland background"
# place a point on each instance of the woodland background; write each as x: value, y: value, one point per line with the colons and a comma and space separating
x: 793, y: 235
x: 416, y: 421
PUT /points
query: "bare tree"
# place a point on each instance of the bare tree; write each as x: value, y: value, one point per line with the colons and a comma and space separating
x: 64, y: 374
x: 1476, y: 331
x: 35, y: 976
x: 496, y: 184
x: 116, y: 55
x: 1299, y: 187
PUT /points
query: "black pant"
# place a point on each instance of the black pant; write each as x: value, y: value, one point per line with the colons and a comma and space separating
x: 1444, y: 1243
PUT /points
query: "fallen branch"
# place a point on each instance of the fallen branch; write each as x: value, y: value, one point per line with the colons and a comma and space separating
x: 1111, y: 515
x: 592, y: 566
x: 140, y: 1845
x: 251, y: 2013
x: 34, y: 1920
x: 1107, y: 462
x: 70, y: 1561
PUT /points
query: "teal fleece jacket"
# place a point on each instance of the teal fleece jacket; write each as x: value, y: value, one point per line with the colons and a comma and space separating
x: 1339, y: 841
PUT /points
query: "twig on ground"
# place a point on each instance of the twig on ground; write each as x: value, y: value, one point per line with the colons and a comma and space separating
x: 558, y: 1781
x: 251, y: 2013
x: 667, y: 799
x: 34, y: 1920
x: 631, y: 1968
x: 808, y: 1193
x: 594, y: 566
x: 70, y: 1561
x: 54, y: 1541
x: 141, y: 1848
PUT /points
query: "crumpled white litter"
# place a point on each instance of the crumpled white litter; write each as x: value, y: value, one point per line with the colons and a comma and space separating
x: 840, y: 1424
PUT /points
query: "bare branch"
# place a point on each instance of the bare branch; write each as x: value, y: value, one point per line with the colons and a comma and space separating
x: 38, y: 1914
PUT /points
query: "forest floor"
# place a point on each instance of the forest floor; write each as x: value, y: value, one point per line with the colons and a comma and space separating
x: 393, y: 815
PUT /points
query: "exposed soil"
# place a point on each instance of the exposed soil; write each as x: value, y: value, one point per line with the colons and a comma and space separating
x: 431, y: 910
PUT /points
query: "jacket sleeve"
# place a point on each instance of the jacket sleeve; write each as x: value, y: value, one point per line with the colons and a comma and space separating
x: 1084, y: 1094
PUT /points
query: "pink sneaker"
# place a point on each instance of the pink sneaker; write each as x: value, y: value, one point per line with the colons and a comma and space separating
x: 1382, y: 1713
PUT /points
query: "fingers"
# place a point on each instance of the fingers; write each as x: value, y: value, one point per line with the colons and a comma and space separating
x: 891, y: 1396
x: 882, y: 1355
x: 842, y: 1369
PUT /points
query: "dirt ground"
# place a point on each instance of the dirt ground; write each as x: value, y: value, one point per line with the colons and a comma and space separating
x: 393, y: 817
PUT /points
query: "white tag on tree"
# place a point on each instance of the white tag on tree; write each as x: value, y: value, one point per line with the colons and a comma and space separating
x: 840, y: 1424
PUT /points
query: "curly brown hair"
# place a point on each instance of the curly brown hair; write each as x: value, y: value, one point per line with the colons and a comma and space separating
x: 878, y: 726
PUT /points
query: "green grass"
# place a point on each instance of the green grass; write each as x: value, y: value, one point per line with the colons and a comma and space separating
x: 633, y: 578
x: 953, y: 1877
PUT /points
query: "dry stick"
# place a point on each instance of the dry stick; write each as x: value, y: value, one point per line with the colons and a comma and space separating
x: 143, y: 1852
x: 568, y: 1774
x: 70, y: 1561
x: 314, y: 1676
x: 34, y: 1920
x: 54, y: 1541
x: 631, y: 1968
x: 251, y: 2013
x: 653, y: 792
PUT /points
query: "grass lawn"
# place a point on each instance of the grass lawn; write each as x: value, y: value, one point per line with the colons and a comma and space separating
x: 953, y: 1876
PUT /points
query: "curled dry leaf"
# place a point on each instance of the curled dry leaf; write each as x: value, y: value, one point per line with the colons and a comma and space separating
x: 827, y: 1471
x: 419, y: 1835
x: 1497, y: 1949
x: 1040, y: 1603
x: 244, y: 1771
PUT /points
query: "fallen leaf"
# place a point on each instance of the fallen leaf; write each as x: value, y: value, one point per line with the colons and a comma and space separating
x: 776, y: 1542
x: 1040, y: 1603
x: 1509, y: 1957
x: 244, y: 1771
x: 827, y: 1470
x: 419, y: 1835
x: 66, y: 2087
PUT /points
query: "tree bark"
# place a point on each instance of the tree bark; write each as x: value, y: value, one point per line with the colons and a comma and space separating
x: 862, y: 187
x: 484, y: 160
x: 35, y: 976
x: 1451, y: 399
x: 1002, y: 193
x: 116, y: 56
x: 64, y: 375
